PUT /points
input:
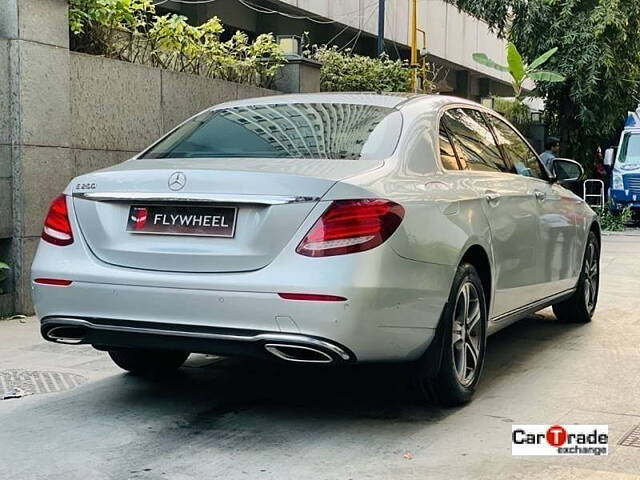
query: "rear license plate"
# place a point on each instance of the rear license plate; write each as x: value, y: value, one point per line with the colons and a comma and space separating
x: 182, y: 220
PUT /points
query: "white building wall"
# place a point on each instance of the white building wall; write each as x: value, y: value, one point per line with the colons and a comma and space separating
x: 451, y: 35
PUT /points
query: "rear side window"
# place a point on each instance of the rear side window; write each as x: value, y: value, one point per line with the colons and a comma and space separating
x: 288, y: 130
x: 447, y: 153
x: 474, y: 141
x: 523, y: 158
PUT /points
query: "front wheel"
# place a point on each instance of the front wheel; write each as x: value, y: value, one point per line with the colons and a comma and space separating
x: 580, y: 306
x: 463, y: 342
x: 148, y: 362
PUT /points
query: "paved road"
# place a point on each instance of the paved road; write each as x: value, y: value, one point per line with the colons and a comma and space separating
x: 230, y: 419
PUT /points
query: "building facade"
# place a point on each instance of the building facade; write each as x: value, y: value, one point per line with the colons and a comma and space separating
x: 448, y: 36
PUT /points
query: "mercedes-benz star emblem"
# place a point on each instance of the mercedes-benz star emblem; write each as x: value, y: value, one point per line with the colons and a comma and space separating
x: 177, y: 181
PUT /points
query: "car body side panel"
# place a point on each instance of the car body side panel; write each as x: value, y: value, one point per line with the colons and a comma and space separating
x: 559, y: 256
x: 514, y: 226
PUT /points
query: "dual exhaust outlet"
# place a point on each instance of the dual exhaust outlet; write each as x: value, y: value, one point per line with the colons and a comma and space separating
x: 75, y: 335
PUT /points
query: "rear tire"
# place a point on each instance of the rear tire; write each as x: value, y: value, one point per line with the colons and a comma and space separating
x: 580, y: 306
x: 462, y: 344
x: 148, y: 362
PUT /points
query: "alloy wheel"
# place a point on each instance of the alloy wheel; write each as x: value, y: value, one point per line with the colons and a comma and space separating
x: 467, y: 334
x: 591, y: 276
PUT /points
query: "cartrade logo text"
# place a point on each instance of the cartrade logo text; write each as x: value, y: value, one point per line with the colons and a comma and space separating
x: 560, y: 440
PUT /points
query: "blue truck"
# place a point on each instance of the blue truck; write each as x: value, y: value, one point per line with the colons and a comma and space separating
x: 625, y: 163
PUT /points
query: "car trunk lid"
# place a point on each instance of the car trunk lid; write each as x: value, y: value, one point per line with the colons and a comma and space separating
x: 271, y: 198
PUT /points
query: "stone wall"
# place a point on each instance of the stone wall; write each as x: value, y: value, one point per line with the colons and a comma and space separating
x: 63, y: 114
x: 118, y: 108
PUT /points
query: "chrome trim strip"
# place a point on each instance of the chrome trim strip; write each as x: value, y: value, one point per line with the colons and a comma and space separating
x: 534, y: 306
x: 192, y: 197
x: 268, y: 337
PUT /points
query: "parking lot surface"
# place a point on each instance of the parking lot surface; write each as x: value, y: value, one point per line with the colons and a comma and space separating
x: 238, y: 419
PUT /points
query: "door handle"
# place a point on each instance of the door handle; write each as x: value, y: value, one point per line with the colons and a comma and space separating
x: 540, y: 196
x: 492, y: 197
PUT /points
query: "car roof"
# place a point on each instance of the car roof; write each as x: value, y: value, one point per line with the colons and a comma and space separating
x: 390, y: 100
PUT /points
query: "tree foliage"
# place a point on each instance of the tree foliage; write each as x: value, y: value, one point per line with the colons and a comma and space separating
x: 514, y: 110
x: 598, y: 52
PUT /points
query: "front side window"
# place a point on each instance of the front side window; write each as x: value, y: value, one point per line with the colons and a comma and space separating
x: 630, y: 150
x: 474, y: 141
x: 288, y: 130
x: 523, y: 158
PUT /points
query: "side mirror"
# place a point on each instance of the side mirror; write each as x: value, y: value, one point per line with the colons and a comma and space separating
x: 567, y: 171
x: 609, y: 155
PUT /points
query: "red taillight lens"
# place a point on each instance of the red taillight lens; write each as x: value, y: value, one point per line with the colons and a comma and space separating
x: 57, y: 282
x: 313, y: 297
x: 57, y: 228
x: 349, y: 226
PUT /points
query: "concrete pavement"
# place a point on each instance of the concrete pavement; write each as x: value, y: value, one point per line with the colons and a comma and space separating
x: 233, y: 419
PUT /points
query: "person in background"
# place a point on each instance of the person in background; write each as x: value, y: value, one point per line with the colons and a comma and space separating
x: 602, y: 171
x: 552, y: 149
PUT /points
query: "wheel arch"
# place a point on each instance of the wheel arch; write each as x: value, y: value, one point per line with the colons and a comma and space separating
x: 477, y: 256
x: 595, y: 228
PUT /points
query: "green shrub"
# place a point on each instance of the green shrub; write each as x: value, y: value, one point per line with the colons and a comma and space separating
x: 515, y: 111
x: 614, y: 221
x: 344, y: 71
x: 128, y: 15
x: 130, y: 30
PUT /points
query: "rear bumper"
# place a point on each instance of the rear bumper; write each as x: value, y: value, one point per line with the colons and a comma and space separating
x: 392, y: 310
x: 373, y: 325
x: 108, y: 333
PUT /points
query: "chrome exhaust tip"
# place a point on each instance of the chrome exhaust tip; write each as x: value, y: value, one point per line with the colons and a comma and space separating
x: 67, y: 334
x: 298, y: 353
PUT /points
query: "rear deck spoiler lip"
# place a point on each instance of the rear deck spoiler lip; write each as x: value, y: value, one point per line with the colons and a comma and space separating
x: 133, y: 197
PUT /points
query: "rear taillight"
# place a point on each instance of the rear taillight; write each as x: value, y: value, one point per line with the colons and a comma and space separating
x: 350, y: 226
x: 57, y: 228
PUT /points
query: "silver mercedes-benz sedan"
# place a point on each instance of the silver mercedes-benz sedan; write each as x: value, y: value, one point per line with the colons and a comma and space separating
x: 320, y: 228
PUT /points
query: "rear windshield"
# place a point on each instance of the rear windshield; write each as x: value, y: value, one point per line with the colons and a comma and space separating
x: 630, y: 150
x: 297, y: 130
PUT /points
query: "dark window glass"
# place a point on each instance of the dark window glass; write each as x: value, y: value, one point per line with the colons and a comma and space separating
x: 286, y: 130
x: 630, y: 149
x: 474, y: 141
x: 447, y: 154
x: 523, y: 158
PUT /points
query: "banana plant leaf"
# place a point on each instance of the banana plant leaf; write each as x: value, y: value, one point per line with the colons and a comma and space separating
x: 543, y: 76
x: 542, y: 59
x: 516, y: 65
x: 482, y: 59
